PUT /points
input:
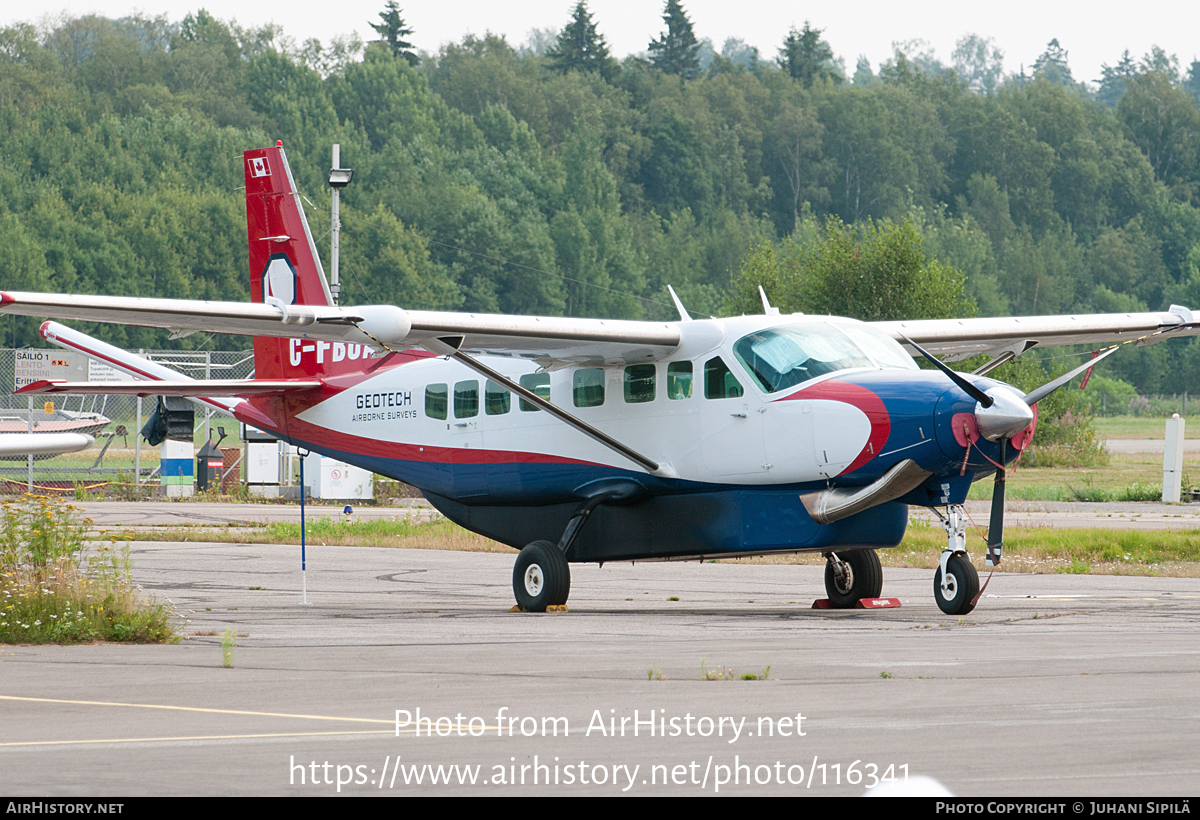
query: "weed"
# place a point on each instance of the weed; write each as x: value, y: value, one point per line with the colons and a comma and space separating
x: 228, y: 644
x: 761, y: 675
x: 721, y: 673
x: 1077, y: 567
x: 655, y: 673
x: 673, y: 598
x: 886, y: 675
x: 53, y: 590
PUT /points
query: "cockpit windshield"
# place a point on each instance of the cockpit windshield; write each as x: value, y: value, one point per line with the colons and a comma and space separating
x: 780, y: 357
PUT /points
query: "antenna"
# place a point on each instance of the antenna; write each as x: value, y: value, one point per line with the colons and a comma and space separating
x: 683, y: 314
x: 767, y: 309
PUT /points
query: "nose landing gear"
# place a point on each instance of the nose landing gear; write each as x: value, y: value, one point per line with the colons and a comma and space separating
x: 956, y: 582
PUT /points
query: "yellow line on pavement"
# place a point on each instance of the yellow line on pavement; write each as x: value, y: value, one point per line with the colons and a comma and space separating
x: 198, y: 709
x: 193, y: 737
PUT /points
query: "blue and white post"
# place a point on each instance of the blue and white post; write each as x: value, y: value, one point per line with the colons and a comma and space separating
x: 303, y: 563
x: 177, y: 469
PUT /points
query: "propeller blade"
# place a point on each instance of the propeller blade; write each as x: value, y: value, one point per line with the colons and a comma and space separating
x: 996, y: 523
x: 1049, y: 387
x: 968, y: 388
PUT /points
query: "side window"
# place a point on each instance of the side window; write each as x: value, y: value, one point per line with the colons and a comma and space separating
x: 719, y: 382
x: 496, y: 400
x: 435, y: 401
x: 679, y: 380
x: 537, y: 383
x: 466, y: 399
x: 639, y: 383
x: 589, y: 387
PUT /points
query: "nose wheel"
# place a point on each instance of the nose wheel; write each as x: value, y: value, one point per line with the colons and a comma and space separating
x: 956, y: 590
x: 852, y: 576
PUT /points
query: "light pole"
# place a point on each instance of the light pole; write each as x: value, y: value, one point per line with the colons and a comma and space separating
x: 339, y: 178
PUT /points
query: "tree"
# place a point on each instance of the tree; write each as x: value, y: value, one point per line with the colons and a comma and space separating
x: 1052, y: 65
x: 1114, y: 80
x: 739, y: 53
x: 806, y: 57
x: 1165, y: 123
x: 391, y: 29
x: 873, y: 271
x: 675, y: 51
x: 1192, y: 83
x: 978, y: 61
x: 581, y: 47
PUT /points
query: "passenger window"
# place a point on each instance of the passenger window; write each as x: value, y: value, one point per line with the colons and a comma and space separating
x: 719, y: 382
x: 639, y: 383
x: 496, y: 400
x: 679, y: 380
x: 589, y: 387
x: 435, y: 401
x: 466, y: 399
x: 539, y: 385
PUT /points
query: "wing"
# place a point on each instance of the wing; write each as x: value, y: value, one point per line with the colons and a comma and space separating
x: 956, y: 339
x: 547, y: 339
x: 186, y: 388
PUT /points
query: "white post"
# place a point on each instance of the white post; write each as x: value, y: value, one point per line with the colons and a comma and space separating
x: 207, y: 409
x: 29, y: 458
x: 1172, y: 459
x: 137, y: 446
x: 335, y: 288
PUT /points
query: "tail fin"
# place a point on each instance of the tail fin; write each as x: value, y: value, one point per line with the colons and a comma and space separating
x: 286, y: 270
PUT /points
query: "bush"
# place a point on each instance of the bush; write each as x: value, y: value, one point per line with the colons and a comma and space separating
x: 54, y: 590
x: 1065, y: 435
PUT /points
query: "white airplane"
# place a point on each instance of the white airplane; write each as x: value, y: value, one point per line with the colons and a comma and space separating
x: 588, y: 440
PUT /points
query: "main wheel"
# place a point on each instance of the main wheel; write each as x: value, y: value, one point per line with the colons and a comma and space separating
x: 541, y: 577
x: 962, y: 585
x: 863, y: 578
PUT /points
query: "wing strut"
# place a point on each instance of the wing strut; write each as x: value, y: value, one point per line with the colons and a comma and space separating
x: 447, y: 348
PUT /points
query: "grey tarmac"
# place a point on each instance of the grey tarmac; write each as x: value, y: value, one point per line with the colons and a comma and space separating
x: 1054, y: 685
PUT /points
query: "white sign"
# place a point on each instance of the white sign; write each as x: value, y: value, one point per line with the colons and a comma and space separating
x: 35, y: 365
x: 101, y: 372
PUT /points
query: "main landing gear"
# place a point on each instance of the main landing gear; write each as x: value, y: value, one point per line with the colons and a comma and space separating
x: 541, y: 577
x: 852, y: 576
x: 956, y: 582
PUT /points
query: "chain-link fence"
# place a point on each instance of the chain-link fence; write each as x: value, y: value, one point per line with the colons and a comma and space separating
x: 119, y: 463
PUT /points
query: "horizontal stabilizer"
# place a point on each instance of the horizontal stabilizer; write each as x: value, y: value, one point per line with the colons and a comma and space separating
x: 243, y: 388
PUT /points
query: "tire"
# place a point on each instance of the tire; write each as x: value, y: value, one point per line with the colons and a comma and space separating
x: 541, y: 577
x: 865, y: 581
x: 963, y: 583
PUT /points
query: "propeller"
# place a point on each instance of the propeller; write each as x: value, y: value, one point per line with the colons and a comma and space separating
x: 968, y: 388
x: 1000, y: 415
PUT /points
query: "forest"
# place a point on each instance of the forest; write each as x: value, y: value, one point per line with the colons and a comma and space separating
x: 549, y: 177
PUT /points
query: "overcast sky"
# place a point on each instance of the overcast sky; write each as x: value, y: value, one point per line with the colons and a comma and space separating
x: 1093, y: 32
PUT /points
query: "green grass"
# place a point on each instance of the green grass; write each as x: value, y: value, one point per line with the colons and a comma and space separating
x: 55, y: 590
x: 401, y: 533
x: 1138, y: 427
x: 1041, y: 549
x: 1127, y: 477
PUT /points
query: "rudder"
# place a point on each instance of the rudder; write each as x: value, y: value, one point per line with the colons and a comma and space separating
x: 284, y: 266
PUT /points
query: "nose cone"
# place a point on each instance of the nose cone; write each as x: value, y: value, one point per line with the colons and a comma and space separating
x: 1008, y: 415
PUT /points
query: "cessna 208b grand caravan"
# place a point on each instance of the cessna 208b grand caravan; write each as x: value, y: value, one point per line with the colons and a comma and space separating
x: 587, y: 440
